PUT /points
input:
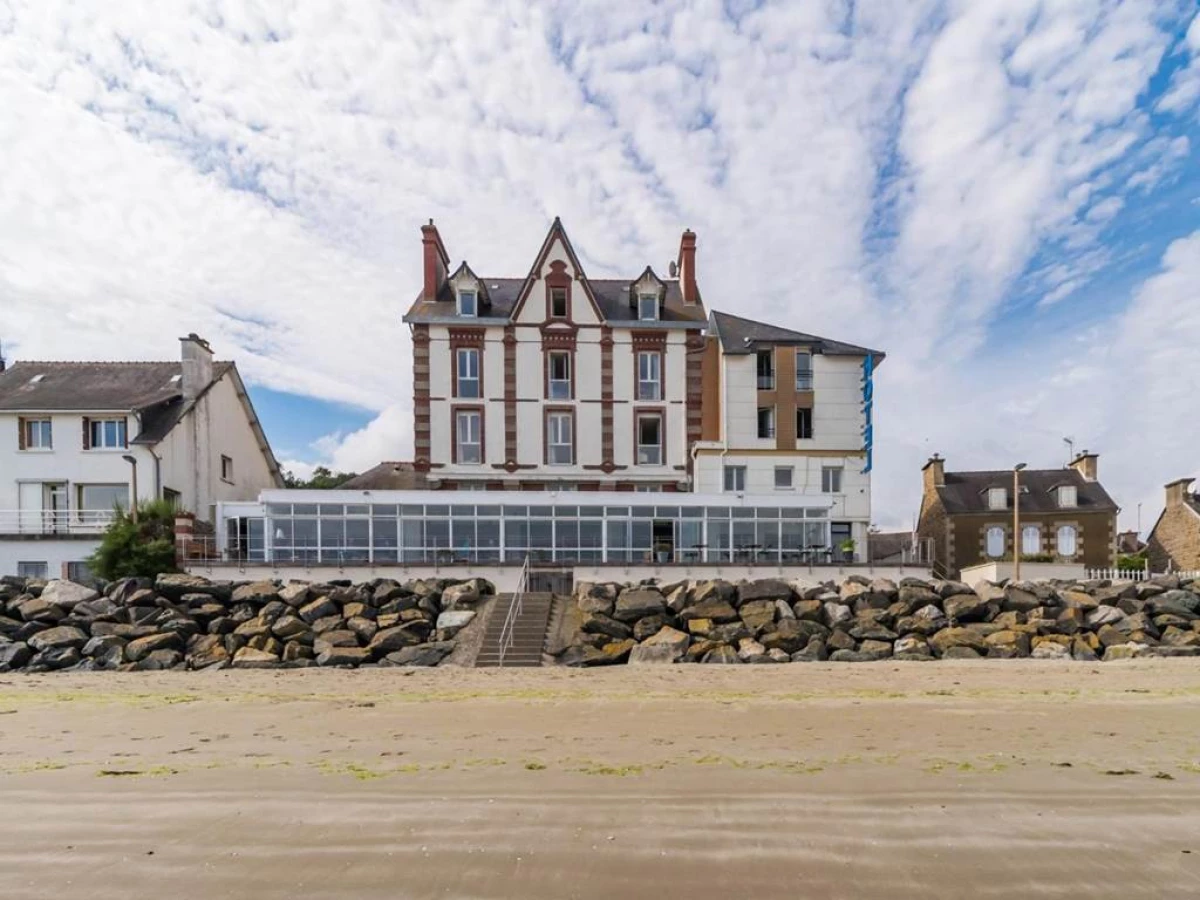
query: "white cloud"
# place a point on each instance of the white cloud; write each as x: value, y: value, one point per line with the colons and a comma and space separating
x: 877, y: 172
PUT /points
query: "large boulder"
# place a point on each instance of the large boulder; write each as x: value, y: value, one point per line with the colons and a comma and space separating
x: 758, y: 614
x: 949, y: 638
x: 763, y: 589
x: 55, y: 638
x: 673, y: 638
x: 173, y: 586
x: 598, y: 623
x: 453, y: 621
x: 390, y: 640
x: 257, y: 592
x: 1007, y: 644
x: 345, y: 656
x: 14, y: 655
x: 814, y: 651
x: 421, y: 654
x: 249, y: 658
x: 321, y: 608
x: 1050, y: 650
x: 644, y: 655
x: 35, y: 609
x: 722, y: 655
x: 965, y: 607
x: 461, y: 596
x: 206, y: 650
x: 1020, y: 598
x: 597, y: 598
x: 295, y: 594
x: 792, y: 635
x: 637, y: 603
x: 711, y: 608
x: 1103, y: 615
x: 142, y: 647
x: 713, y: 590
x: 65, y: 594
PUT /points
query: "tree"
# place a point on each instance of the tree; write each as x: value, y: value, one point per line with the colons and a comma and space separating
x: 322, y: 479
x: 142, y: 549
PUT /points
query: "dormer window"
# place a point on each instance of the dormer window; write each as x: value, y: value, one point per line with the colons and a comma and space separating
x: 1067, y: 496
x: 468, y: 303
x: 997, y: 498
x: 558, y: 303
x: 648, y: 307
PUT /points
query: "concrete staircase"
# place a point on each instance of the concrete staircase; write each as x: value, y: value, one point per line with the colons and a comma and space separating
x: 529, y: 632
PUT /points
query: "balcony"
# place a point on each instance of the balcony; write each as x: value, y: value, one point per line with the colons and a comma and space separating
x: 804, y: 381
x: 47, y: 523
x: 766, y: 382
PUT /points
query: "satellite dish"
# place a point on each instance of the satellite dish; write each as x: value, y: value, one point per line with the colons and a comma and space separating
x: 671, y: 268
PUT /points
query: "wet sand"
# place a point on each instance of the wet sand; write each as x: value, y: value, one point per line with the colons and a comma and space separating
x: 1010, y: 779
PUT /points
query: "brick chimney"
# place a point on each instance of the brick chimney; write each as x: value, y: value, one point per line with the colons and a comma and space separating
x: 687, y: 268
x: 197, y: 365
x: 1085, y: 465
x: 1178, y: 491
x: 436, y: 261
x: 934, y: 472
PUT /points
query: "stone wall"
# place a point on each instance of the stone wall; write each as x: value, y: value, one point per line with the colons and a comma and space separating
x: 1175, y: 541
x: 770, y: 621
x: 189, y: 622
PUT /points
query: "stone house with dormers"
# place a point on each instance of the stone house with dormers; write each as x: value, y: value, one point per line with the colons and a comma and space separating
x: 1065, y: 514
x: 556, y: 380
x: 1174, y: 541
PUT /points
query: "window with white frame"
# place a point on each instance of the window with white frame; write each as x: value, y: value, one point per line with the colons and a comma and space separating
x: 997, y: 498
x: 560, y: 441
x: 649, y: 386
x: 831, y: 479
x: 735, y: 478
x: 107, y: 434
x: 648, y: 307
x: 467, y: 362
x: 468, y: 303
x: 558, y: 303
x: 559, y: 375
x: 80, y: 573
x: 95, y: 503
x: 468, y: 436
x: 804, y: 375
x: 1068, y: 497
x: 766, y: 422
x: 649, y: 440
x: 994, y: 542
x: 804, y: 424
x: 1067, y: 541
x: 32, y: 569
x: 36, y: 435
x: 783, y: 478
x: 1031, y: 540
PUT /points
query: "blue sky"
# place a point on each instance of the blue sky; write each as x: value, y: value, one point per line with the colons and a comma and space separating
x: 1003, y: 194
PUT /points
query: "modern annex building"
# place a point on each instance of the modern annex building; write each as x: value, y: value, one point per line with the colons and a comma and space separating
x: 617, y: 421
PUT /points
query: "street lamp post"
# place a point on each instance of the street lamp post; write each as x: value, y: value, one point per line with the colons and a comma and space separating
x: 1017, y: 521
x: 133, y: 506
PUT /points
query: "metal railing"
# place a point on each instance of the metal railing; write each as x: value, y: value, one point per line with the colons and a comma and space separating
x: 51, y: 522
x: 1113, y: 574
x: 514, y: 612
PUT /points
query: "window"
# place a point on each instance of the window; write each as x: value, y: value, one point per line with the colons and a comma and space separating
x: 172, y: 497
x: 804, y: 429
x: 468, y: 435
x: 804, y: 375
x: 467, y: 303
x: 647, y: 307
x: 35, y: 435
x: 766, y: 370
x: 1031, y: 540
x: 107, y: 434
x: 766, y: 422
x: 558, y: 303
x: 33, y: 569
x: 735, y: 478
x: 467, y: 362
x: 831, y: 479
x: 995, y: 542
x: 96, y: 502
x: 559, y: 381
x: 1067, y: 496
x: 1067, y: 545
x: 649, y: 440
x: 560, y: 444
x: 80, y: 573
x: 647, y: 488
x: 649, y: 385
x: 997, y: 498
x: 783, y: 478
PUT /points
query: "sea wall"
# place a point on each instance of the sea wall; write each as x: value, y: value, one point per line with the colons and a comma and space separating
x: 861, y: 619
x: 188, y: 622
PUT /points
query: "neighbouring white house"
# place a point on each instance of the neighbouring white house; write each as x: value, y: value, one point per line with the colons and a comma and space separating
x: 788, y: 415
x: 75, y: 438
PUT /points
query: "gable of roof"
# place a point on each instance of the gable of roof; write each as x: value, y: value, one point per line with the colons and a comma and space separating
x: 739, y: 336
x: 966, y: 492
x: 556, y: 231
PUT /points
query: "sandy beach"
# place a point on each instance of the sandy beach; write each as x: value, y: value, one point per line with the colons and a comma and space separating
x: 941, y: 780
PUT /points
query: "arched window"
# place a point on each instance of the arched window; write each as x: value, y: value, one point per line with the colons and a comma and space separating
x: 1031, y: 540
x: 1066, y: 540
x: 995, y: 542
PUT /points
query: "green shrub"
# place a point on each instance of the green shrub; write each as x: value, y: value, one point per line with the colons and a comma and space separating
x: 1134, y: 561
x: 137, y: 549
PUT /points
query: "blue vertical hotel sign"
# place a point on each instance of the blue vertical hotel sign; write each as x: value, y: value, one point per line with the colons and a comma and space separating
x: 868, y: 390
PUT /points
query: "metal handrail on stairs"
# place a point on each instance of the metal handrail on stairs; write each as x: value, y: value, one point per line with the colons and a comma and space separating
x: 514, y: 612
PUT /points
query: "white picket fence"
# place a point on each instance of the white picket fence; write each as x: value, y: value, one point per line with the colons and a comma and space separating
x: 1134, y: 574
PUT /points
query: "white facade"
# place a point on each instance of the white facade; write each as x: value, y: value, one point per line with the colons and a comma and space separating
x: 56, y: 500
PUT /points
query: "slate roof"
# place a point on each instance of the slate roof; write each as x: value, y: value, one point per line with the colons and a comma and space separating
x: 387, y: 476
x: 612, y: 296
x: 966, y: 492
x: 743, y: 336
x: 888, y: 546
x: 84, y: 386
